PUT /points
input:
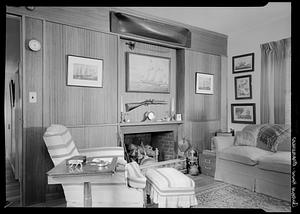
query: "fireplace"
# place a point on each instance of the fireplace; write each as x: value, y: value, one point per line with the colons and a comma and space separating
x: 149, y: 143
x: 149, y: 136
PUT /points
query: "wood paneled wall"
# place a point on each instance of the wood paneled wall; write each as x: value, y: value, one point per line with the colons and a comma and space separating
x: 92, y: 114
x: 161, y: 111
x: 97, y: 18
x: 89, y: 113
x: 86, y: 111
x: 201, y: 112
x: 34, y: 154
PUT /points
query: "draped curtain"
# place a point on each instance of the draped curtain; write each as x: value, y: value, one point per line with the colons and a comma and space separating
x: 276, y: 82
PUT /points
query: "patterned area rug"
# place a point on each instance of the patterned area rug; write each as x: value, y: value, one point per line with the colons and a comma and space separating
x: 221, y: 195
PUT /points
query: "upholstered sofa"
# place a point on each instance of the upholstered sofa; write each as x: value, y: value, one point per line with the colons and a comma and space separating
x: 257, y: 158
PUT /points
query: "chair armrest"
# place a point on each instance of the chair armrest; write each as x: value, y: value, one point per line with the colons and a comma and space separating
x: 134, y: 177
x: 222, y: 142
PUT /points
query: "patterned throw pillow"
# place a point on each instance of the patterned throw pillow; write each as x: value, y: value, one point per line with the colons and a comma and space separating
x: 284, y: 140
x: 244, y: 138
x: 271, y: 135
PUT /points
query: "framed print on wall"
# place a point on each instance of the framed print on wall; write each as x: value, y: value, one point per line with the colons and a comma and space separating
x: 84, y: 71
x: 243, y: 113
x: 204, y: 83
x: 243, y: 87
x: 243, y: 63
x: 147, y: 73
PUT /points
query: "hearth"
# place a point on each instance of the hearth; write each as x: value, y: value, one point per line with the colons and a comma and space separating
x: 161, y: 146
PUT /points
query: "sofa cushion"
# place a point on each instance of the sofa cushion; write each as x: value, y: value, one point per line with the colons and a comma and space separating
x: 244, y: 138
x: 269, y: 136
x: 279, y: 162
x: 243, y: 154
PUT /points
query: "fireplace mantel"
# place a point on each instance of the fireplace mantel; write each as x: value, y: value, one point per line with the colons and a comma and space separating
x: 143, y: 127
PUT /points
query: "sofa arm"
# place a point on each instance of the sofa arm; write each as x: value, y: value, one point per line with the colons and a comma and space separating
x: 222, y: 142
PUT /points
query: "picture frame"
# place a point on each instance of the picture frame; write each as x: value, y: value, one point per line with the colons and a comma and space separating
x: 147, y: 73
x: 84, y: 71
x: 243, y: 63
x: 243, y: 87
x: 243, y: 113
x: 204, y: 83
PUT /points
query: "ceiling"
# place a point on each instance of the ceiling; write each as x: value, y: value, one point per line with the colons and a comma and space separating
x: 225, y: 20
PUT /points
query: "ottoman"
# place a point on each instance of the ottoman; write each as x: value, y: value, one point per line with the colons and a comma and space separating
x: 170, y: 188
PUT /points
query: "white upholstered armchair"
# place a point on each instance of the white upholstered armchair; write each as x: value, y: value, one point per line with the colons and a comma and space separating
x: 127, y: 194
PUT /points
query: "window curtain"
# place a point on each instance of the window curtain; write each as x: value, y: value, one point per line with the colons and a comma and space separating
x: 276, y: 82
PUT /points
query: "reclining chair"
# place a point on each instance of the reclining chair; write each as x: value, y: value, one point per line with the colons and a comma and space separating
x: 130, y: 193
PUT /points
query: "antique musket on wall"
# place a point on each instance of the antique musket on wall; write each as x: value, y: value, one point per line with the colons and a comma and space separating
x: 131, y: 106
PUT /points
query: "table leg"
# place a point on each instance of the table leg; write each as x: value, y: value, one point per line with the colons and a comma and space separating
x: 87, y: 194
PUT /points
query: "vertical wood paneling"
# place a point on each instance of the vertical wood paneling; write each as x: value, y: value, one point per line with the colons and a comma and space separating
x: 202, y: 112
x: 202, y: 107
x: 160, y: 110
x: 224, y: 96
x: 73, y: 105
x: 33, y: 117
x: 101, y: 136
x: 78, y: 136
x: 180, y: 82
x: 92, y: 17
x: 100, y: 104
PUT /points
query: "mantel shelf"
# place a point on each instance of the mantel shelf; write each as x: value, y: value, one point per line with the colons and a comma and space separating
x: 144, y: 127
x: 151, y: 123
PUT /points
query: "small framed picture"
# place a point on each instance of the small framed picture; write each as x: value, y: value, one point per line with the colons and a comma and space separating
x: 204, y: 83
x: 84, y: 71
x: 243, y: 113
x: 243, y: 87
x: 243, y: 63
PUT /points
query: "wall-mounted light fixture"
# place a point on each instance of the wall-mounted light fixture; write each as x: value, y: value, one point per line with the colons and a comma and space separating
x: 131, y: 45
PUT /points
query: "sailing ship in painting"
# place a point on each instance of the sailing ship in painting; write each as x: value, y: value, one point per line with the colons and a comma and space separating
x: 242, y: 65
x: 149, y: 74
x: 85, y: 72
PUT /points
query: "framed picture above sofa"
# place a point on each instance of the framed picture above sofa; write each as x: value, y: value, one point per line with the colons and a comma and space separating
x: 243, y: 113
x: 243, y: 63
x: 243, y: 87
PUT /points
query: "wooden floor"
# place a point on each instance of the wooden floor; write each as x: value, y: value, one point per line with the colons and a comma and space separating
x: 201, y: 182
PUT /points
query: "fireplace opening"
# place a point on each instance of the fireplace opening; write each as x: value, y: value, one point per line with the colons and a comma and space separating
x: 153, y: 146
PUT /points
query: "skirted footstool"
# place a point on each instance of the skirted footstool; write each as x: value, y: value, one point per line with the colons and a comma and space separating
x: 170, y: 188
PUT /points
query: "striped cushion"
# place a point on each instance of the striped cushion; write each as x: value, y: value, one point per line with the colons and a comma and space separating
x: 134, y: 176
x: 169, y: 181
x: 59, y: 143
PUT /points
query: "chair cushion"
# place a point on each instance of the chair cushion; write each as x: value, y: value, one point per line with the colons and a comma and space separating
x: 59, y: 143
x: 134, y: 176
x: 243, y: 154
x: 169, y: 181
x: 279, y: 162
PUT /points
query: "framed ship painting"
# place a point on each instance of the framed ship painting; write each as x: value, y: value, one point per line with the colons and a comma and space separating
x: 243, y: 113
x: 204, y: 83
x: 147, y: 73
x: 243, y: 63
x: 84, y: 71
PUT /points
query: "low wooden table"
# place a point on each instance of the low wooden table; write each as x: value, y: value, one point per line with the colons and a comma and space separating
x: 63, y: 174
